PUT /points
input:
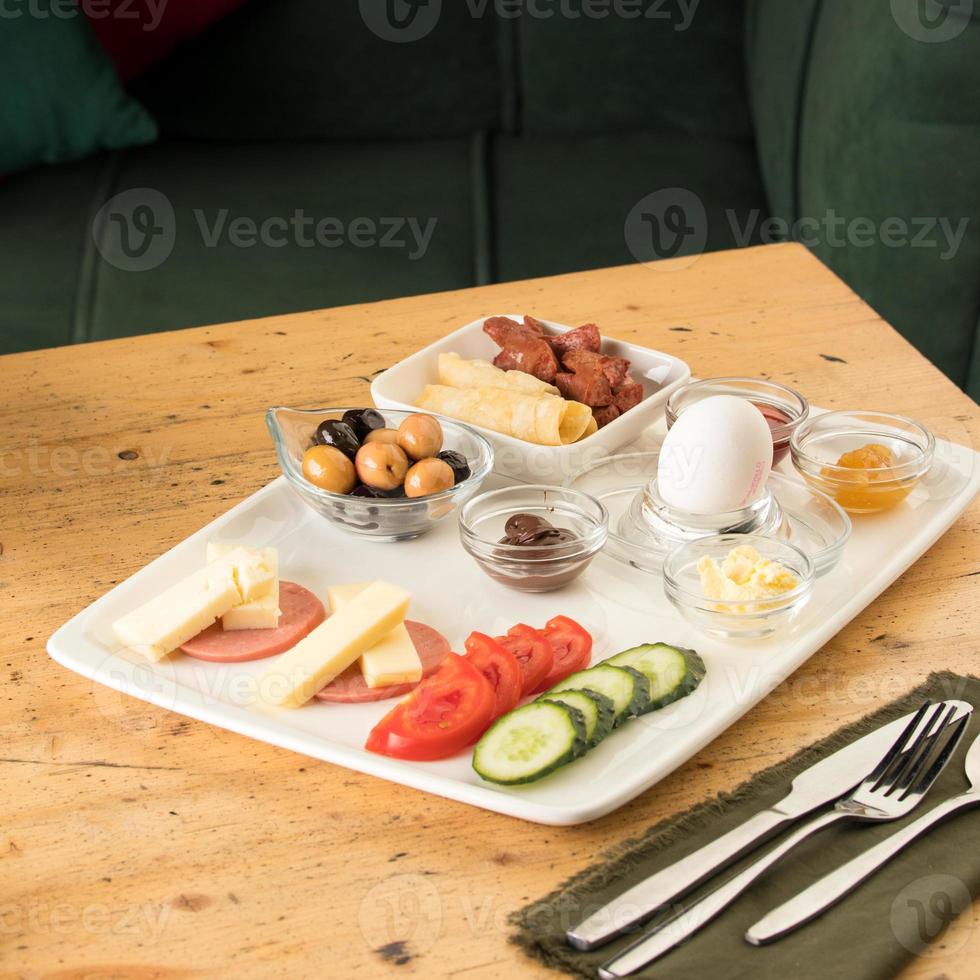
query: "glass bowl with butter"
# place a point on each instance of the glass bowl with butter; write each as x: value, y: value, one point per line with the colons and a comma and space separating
x: 738, y: 586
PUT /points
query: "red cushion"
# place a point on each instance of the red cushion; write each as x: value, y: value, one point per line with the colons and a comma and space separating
x: 139, y: 33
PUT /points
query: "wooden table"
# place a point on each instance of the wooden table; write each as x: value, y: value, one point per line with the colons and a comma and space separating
x: 136, y: 843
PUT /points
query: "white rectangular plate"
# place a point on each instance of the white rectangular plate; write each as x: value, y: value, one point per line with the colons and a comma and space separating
x: 659, y: 373
x: 620, y: 606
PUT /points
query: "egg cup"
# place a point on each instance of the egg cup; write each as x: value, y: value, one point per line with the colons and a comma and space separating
x: 810, y: 520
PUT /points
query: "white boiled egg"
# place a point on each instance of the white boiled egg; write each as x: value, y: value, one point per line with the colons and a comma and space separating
x: 716, y: 457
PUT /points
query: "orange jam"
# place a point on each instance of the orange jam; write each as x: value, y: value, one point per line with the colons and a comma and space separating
x: 867, y: 490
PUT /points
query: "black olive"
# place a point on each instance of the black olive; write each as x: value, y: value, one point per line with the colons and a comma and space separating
x: 338, y: 434
x: 457, y: 463
x: 364, y: 420
x: 363, y: 490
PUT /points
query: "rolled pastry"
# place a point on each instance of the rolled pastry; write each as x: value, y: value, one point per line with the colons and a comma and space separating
x: 542, y: 419
x: 456, y: 372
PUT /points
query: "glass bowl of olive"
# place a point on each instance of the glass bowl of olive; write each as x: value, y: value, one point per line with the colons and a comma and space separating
x: 383, y: 474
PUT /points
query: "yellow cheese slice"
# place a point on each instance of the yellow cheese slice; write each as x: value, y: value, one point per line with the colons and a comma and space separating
x: 296, y: 675
x: 392, y: 661
x: 183, y: 610
x: 263, y: 611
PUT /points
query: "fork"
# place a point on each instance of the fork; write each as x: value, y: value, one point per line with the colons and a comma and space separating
x: 891, y: 790
x: 830, y: 889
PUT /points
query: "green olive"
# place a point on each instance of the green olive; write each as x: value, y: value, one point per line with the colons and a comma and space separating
x: 328, y: 468
x: 381, y: 465
x: 389, y: 436
x: 428, y: 476
x: 420, y: 436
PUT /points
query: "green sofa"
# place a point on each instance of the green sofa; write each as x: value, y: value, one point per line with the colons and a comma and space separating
x: 315, y: 154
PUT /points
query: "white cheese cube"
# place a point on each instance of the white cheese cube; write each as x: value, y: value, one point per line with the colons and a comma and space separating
x: 259, y: 614
x: 392, y: 661
x: 296, y: 675
x: 263, y: 611
x: 183, y: 610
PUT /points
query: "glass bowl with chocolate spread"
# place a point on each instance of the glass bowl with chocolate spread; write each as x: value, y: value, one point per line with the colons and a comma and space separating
x: 533, y: 538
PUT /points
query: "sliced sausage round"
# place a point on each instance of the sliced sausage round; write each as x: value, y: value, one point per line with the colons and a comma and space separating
x: 301, y: 611
x: 351, y: 688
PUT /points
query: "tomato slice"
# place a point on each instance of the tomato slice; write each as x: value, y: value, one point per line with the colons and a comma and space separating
x: 533, y: 654
x: 447, y: 712
x: 572, y: 646
x: 499, y: 667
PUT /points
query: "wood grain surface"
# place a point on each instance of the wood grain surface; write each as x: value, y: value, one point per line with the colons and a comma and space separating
x: 137, y: 843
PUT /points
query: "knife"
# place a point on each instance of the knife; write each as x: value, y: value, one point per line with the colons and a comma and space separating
x: 823, y: 783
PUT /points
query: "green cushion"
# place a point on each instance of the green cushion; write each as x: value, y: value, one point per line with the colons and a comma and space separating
x: 973, y: 377
x: 203, y: 270
x: 562, y: 203
x: 45, y: 222
x: 778, y: 39
x: 891, y: 140
x: 314, y: 69
x: 678, y: 66
x: 59, y: 96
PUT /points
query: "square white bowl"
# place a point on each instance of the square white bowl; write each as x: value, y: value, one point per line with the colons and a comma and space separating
x: 659, y: 373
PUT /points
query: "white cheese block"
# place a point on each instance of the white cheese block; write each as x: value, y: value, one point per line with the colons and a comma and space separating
x: 259, y: 614
x: 174, y: 616
x: 392, y: 661
x: 296, y: 675
x: 262, y: 612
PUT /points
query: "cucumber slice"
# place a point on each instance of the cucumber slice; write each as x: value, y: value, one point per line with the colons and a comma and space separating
x: 673, y: 672
x: 596, y: 708
x: 626, y: 687
x: 529, y: 743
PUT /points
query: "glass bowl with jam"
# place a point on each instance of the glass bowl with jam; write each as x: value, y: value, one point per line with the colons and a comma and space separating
x: 784, y: 409
x: 866, y: 461
x: 533, y: 538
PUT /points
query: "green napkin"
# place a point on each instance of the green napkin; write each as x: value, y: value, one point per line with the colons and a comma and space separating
x: 871, y: 933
